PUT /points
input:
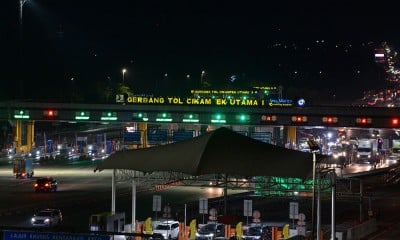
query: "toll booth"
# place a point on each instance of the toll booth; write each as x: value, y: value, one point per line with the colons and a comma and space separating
x: 106, y: 222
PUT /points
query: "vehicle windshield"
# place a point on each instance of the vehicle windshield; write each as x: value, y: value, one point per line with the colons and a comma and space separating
x: 163, y: 227
x: 253, y: 231
x: 209, y: 228
x: 41, y: 181
x: 44, y: 213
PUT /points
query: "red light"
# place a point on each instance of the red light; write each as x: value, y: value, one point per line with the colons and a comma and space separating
x: 330, y: 119
x: 299, y: 119
x: 395, y: 121
x: 363, y: 120
x: 268, y: 118
x: 50, y: 113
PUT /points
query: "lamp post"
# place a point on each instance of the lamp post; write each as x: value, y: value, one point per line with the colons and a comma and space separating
x: 123, y: 75
x: 21, y: 5
x: 202, y: 76
x: 314, y: 149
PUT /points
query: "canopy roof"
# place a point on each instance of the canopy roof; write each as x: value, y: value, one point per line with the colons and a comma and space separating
x: 219, y: 151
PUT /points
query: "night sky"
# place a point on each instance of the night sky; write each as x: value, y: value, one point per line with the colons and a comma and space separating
x: 74, y: 48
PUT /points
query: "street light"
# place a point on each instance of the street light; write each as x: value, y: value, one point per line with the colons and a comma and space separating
x: 202, y: 75
x: 21, y: 5
x: 123, y: 75
x: 314, y: 149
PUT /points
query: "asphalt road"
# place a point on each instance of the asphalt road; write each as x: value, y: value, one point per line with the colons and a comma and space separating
x: 83, y: 192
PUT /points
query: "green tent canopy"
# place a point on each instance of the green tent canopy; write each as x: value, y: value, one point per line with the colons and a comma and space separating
x: 221, y: 151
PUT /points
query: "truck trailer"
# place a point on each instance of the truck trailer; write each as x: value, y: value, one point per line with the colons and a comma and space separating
x: 23, y: 167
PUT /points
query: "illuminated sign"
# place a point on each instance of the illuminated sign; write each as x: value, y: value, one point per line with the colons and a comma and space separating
x: 218, y: 118
x: 269, y: 118
x: 109, y: 116
x: 164, y: 117
x: 34, y: 235
x: 191, y: 118
x: 243, y: 118
x: 140, y: 117
x: 280, y: 102
x: 329, y: 120
x: 363, y: 120
x: 21, y: 114
x: 82, y: 115
x: 210, y: 101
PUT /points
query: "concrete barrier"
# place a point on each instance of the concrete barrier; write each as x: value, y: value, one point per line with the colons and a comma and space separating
x: 361, y: 230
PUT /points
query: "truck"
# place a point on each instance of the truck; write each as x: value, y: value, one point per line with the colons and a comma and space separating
x: 367, y: 151
x: 22, y: 167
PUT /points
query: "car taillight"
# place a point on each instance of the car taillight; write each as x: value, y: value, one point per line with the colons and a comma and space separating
x: 46, y: 185
x: 23, y: 174
x: 36, y: 185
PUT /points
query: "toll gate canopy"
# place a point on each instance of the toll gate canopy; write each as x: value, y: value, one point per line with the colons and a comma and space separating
x: 221, y: 151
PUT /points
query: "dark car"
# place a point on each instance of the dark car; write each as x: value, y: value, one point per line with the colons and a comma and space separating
x: 46, y: 184
x: 211, y: 231
x: 256, y: 232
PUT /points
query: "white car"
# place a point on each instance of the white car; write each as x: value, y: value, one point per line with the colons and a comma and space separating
x: 47, y: 218
x: 166, y: 230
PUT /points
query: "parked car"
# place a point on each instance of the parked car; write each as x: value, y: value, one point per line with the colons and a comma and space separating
x: 46, y: 184
x: 166, y: 230
x: 47, y: 218
x: 211, y: 231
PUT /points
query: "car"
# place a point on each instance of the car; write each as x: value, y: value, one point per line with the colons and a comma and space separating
x: 46, y: 184
x: 392, y: 159
x: 166, y: 230
x: 49, y: 217
x: 211, y: 231
x: 256, y: 232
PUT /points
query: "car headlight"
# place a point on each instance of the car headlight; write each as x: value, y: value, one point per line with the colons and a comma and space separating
x: 47, y: 220
x: 33, y: 220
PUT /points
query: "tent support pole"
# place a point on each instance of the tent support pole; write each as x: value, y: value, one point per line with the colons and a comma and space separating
x: 225, y: 193
x: 113, y: 192
x: 333, y: 215
x: 133, y: 205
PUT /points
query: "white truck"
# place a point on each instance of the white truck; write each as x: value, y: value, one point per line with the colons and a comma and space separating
x: 367, y: 151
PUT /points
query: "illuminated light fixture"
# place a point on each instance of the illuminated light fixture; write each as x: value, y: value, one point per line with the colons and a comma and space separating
x: 82, y: 115
x: 21, y: 114
x: 50, y: 113
x: 269, y: 118
x: 164, y: 117
x: 243, y: 118
x: 395, y: 121
x: 191, y: 118
x: 299, y: 119
x: 218, y: 118
x: 363, y: 120
x: 109, y: 116
x: 140, y: 117
x: 329, y: 119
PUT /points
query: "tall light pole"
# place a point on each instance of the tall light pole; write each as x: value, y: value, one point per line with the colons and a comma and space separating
x: 202, y: 76
x: 21, y: 5
x: 123, y: 75
x: 314, y: 149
